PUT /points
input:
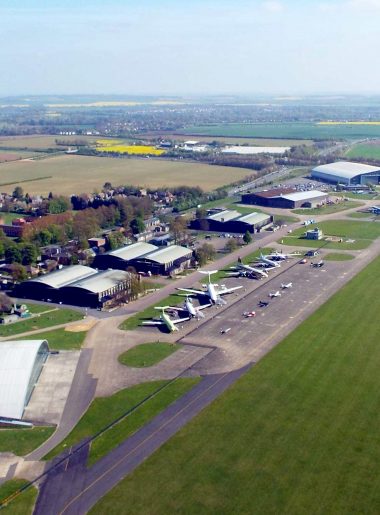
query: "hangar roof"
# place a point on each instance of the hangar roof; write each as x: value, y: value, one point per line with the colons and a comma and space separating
x: 102, y: 281
x: 254, y: 218
x: 133, y: 251
x: 65, y: 276
x: 346, y: 169
x: 168, y: 254
x: 224, y: 216
x: 17, y: 362
x: 304, y: 195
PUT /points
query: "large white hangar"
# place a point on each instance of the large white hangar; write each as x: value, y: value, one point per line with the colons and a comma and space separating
x: 348, y: 173
x: 21, y: 364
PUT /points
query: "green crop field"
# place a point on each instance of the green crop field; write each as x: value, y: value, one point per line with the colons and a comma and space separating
x: 21, y: 505
x: 147, y: 354
x: 365, y: 151
x: 362, y: 232
x: 69, y: 174
x: 296, y: 130
x: 298, y: 434
x: 103, y: 411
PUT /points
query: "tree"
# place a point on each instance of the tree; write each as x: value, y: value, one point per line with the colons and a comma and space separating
x: 115, y: 240
x: 29, y: 254
x: 205, y: 253
x: 5, y: 302
x: 18, y: 192
x: 58, y: 205
x: 178, y: 226
x: 137, y: 225
x: 19, y: 272
x: 247, y: 238
x: 231, y: 245
x: 200, y: 212
x: 13, y: 254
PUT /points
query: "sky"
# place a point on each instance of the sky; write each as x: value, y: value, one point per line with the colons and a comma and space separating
x: 192, y: 47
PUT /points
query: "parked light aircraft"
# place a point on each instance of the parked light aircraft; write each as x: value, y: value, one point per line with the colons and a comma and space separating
x: 165, y: 319
x: 263, y: 303
x: 273, y: 294
x: 249, y: 314
x: 270, y: 262
x: 280, y: 256
x: 317, y: 265
x: 213, y: 292
x: 193, y: 311
x: 286, y: 285
x: 243, y: 270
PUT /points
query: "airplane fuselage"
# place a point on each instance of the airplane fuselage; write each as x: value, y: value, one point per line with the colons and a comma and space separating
x: 190, y: 308
x: 212, y: 293
x: 169, y: 324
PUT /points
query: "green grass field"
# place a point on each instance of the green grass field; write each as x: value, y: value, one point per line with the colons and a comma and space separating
x: 147, y: 354
x: 260, y: 142
x: 68, y: 174
x: 336, y: 256
x: 103, y: 411
x: 298, y: 434
x: 296, y: 130
x: 56, y: 317
x: 365, y: 151
x: 328, y: 208
x: 23, y: 441
x: 22, y: 504
x: 358, y: 214
x: 8, y: 217
x: 361, y: 231
x: 61, y: 339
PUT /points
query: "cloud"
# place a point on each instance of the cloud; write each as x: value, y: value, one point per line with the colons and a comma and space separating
x: 273, y: 6
x: 365, y: 4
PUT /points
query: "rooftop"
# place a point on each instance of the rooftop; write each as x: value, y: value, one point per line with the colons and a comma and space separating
x: 102, y: 281
x: 225, y: 216
x: 65, y: 276
x: 346, y: 169
x: 168, y: 254
x: 304, y: 195
x: 275, y: 192
x: 133, y: 251
x: 254, y: 218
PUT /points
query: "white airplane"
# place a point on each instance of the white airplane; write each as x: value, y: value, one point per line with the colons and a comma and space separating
x: 317, y: 265
x: 247, y: 271
x: 212, y: 291
x: 193, y: 311
x: 274, y: 294
x: 286, y: 285
x: 375, y: 210
x: 267, y: 261
x: 279, y: 256
x: 166, y: 320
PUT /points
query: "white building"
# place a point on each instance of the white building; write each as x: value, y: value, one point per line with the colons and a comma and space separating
x: 348, y: 173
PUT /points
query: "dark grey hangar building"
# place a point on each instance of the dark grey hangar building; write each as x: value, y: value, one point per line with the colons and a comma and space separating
x: 144, y: 257
x: 348, y: 173
x: 285, y: 198
x: 232, y: 221
x: 78, y: 285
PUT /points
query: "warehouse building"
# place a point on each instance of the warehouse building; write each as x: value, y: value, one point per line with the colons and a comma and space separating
x: 78, y: 285
x: 21, y: 363
x: 166, y: 261
x: 285, y: 198
x: 347, y: 173
x: 232, y: 221
x: 120, y: 259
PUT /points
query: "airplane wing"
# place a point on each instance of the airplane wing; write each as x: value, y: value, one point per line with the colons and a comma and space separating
x: 204, y: 306
x: 228, y: 290
x: 179, y: 320
x: 194, y: 292
x: 153, y: 322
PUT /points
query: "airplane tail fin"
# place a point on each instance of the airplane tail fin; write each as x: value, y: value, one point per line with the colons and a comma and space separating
x: 209, y: 273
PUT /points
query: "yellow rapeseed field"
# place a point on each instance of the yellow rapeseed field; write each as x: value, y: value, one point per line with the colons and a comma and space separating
x: 131, y: 149
x: 348, y: 123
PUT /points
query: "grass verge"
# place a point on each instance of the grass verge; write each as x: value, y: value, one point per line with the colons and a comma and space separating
x: 328, y: 209
x: 56, y: 317
x: 336, y: 256
x: 103, y: 411
x: 147, y: 354
x: 22, y: 504
x: 23, y: 441
x: 60, y: 339
x: 299, y: 433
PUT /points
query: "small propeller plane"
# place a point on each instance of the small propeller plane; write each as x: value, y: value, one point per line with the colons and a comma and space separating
x: 284, y: 286
x: 263, y: 303
x: 273, y: 294
x: 165, y: 320
x: 212, y: 291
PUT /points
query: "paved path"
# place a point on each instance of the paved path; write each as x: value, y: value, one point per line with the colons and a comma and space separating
x: 72, y: 489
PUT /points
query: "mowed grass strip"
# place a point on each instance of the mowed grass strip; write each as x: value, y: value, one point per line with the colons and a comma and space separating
x: 328, y: 208
x: 361, y: 231
x: 336, y: 256
x: 297, y: 434
x: 60, y: 339
x: 23, y: 441
x: 52, y: 318
x: 147, y: 354
x: 24, y: 503
x: 105, y: 410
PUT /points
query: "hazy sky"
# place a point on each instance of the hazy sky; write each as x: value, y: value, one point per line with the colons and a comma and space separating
x: 189, y: 47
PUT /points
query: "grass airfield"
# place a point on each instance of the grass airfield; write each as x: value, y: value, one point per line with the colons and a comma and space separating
x: 297, y: 434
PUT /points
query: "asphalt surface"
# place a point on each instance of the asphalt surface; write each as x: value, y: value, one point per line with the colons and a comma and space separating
x: 72, y: 489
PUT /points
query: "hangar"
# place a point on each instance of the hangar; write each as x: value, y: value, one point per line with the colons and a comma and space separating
x: 121, y: 258
x: 348, y: 173
x: 166, y: 261
x: 78, y: 285
x: 21, y: 364
x: 285, y: 198
x: 232, y: 221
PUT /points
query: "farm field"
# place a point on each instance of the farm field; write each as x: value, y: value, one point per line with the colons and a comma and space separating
x: 13, y: 155
x: 121, y: 147
x: 68, y: 174
x: 361, y: 232
x: 365, y: 151
x: 297, y: 434
x: 260, y: 142
x: 40, y: 142
x: 296, y: 130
